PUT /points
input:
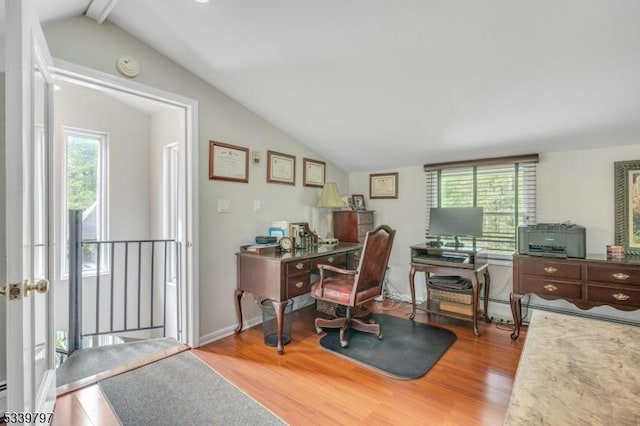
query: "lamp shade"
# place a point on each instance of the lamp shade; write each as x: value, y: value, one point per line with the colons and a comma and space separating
x: 330, y: 196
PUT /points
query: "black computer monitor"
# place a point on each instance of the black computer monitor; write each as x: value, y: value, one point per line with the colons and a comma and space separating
x: 456, y: 222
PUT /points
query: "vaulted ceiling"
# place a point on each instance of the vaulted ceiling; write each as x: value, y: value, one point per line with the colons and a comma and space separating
x: 377, y: 84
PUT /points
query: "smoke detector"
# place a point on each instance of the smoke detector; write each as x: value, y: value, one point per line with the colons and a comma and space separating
x: 127, y: 66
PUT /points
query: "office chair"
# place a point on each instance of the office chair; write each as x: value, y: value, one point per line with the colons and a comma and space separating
x: 354, y: 288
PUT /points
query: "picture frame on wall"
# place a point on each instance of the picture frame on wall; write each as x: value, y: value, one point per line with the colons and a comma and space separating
x: 627, y: 205
x: 228, y: 162
x: 383, y: 185
x: 358, y: 202
x: 313, y: 172
x: 281, y: 168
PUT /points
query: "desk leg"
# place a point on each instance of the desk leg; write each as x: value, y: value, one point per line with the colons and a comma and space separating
x: 412, y: 288
x: 487, y: 283
x: 476, y: 300
x: 516, y: 311
x: 278, y: 307
x: 238, y: 298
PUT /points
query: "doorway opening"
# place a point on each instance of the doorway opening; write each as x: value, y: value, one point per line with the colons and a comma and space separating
x: 123, y: 161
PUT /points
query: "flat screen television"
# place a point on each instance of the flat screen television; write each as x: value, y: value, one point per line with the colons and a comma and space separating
x: 455, y: 222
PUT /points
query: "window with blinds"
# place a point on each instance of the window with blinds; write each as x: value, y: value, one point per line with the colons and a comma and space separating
x: 504, y: 187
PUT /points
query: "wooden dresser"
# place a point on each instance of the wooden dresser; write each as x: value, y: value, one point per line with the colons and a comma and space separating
x: 586, y: 283
x: 351, y: 226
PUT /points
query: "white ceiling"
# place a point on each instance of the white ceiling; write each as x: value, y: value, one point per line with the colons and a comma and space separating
x: 379, y: 84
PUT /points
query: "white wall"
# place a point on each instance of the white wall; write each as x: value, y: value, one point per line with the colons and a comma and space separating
x: 167, y: 127
x: 575, y: 185
x: 82, y: 41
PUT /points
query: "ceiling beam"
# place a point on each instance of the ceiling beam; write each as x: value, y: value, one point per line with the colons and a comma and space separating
x: 98, y: 10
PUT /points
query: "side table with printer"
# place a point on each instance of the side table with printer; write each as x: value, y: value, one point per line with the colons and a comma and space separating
x: 453, y: 287
x: 552, y: 263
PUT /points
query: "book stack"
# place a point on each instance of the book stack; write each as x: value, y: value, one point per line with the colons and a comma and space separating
x: 447, y: 282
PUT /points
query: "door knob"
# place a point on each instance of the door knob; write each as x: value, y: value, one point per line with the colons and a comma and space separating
x: 41, y: 286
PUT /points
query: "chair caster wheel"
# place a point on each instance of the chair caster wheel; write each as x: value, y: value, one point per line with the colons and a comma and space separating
x: 344, y: 344
x: 380, y: 337
x: 318, y: 330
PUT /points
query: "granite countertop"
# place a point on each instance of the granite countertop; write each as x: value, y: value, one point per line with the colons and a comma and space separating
x: 577, y: 371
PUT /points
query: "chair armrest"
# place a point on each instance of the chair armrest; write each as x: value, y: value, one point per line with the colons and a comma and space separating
x: 321, y: 267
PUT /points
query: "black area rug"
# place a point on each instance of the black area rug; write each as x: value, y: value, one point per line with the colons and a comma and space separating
x: 407, y: 350
x: 182, y: 390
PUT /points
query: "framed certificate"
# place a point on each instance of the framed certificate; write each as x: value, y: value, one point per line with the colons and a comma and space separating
x: 383, y: 185
x: 313, y: 172
x: 228, y: 162
x: 281, y: 168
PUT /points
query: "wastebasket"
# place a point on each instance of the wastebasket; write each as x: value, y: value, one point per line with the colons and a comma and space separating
x: 269, y: 325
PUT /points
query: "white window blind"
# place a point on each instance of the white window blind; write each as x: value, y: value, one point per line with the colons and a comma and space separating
x: 504, y: 187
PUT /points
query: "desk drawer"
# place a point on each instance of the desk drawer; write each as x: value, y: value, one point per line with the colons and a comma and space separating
x: 298, y: 284
x: 552, y: 269
x: 337, y: 260
x: 615, y: 274
x: 365, y: 218
x: 363, y: 229
x: 613, y: 295
x: 545, y: 287
x: 298, y: 266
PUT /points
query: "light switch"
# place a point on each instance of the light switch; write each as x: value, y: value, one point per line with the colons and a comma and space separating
x: 224, y: 206
x: 257, y: 206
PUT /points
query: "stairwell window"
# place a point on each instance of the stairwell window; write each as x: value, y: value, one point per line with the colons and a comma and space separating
x: 504, y: 187
x: 85, y: 185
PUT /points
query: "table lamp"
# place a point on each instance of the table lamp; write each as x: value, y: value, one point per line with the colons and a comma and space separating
x: 330, y: 198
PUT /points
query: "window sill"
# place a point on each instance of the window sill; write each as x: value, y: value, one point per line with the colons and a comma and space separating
x: 497, y: 258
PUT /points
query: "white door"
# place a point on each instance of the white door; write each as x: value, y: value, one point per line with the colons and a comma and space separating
x: 30, y: 347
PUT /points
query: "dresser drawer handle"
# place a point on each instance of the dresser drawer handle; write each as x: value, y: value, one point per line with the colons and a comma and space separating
x: 620, y: 276
x: 550, y: 269
x: 550, y: 288
x: 620, y: 296
x: 299, y: 284
x: 299, y: 265
x: 331, y: 259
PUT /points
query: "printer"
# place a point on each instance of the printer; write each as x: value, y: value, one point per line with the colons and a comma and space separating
x: 552, y: 239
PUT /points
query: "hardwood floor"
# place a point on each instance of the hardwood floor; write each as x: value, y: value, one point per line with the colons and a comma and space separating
x: 470, y: 385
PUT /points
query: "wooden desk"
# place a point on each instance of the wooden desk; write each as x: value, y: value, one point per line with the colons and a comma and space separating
x: 280, y: 276
x: 422, y: 261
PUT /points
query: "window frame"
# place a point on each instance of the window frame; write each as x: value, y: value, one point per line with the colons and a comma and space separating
x: 523, y: 196
x: 172, y: 218
x: 102, y: 223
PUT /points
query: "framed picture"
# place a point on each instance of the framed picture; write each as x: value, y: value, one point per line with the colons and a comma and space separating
x: 627, y: 205
x: 383, y: 185
x: 351, y: 203
x: 358, y: 202
x: 228, y: 162
x: 313, y: 172
x: 281, y: 168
